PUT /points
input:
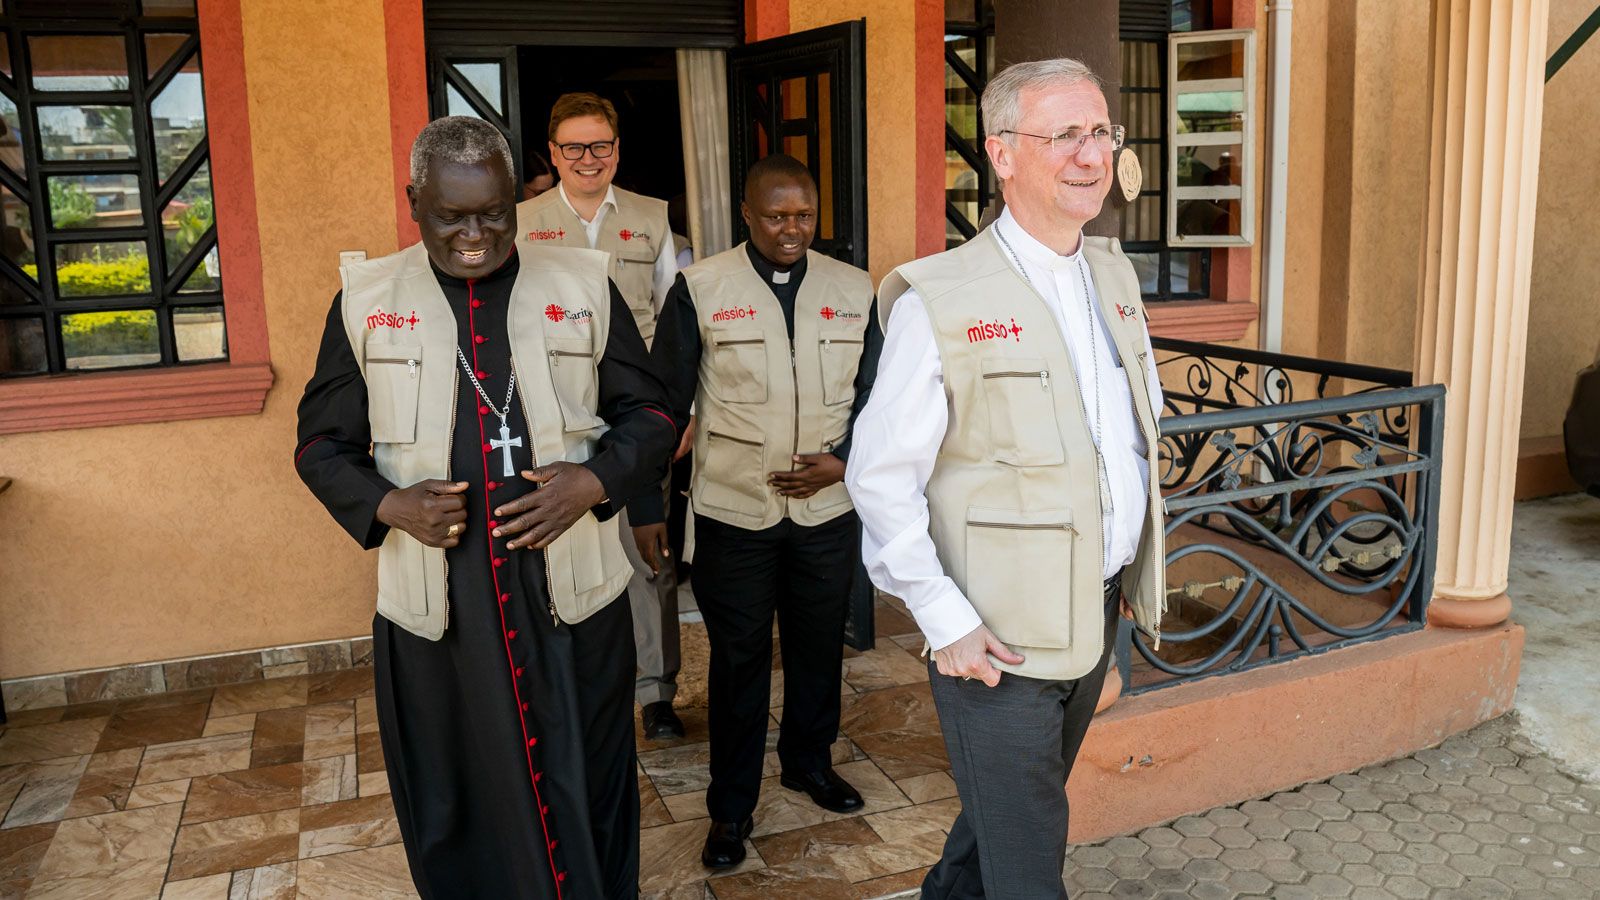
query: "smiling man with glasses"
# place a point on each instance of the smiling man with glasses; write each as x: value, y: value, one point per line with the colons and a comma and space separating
x: 1004, y: 471
x: 586, y: 210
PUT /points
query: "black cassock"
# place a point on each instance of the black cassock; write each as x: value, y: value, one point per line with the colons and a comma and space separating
x: 509, y: 742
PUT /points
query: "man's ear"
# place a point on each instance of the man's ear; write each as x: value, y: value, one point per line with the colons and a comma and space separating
x: 744, y: 212
x: 999, y: 155
x: 411, y: 200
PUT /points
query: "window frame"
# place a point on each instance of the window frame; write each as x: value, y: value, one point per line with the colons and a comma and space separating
x: 239, y: 386
x: 980, y: 28
x: 1245, y: 139
x: 144, y: 87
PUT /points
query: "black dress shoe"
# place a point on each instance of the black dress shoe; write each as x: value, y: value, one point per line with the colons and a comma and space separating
x: 825, y: 788
x: 660, y: 722
x: 724, y: 847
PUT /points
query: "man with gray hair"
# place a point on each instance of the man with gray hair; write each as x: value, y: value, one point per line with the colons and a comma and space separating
x: 480, y: 411
x: 1005, y: 475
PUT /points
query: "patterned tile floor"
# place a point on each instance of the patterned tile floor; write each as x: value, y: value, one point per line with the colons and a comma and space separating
x: 276, y: 789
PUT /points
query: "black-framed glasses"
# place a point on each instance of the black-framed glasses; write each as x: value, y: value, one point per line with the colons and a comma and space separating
x: 597, y: 149
x: 1108, y: 138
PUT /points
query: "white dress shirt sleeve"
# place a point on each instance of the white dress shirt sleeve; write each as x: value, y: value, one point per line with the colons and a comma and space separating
x: 666, y: 272
x: 892, y: 452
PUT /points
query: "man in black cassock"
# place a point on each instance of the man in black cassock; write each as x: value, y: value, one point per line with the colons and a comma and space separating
x: 482, y: 412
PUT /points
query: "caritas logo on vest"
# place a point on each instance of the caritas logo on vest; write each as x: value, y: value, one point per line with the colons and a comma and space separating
x: 555, y: 313
x: 991, y: 331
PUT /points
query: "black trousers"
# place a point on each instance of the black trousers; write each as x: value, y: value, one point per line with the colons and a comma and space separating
x: 1011, y: 751
x: 743, y: 579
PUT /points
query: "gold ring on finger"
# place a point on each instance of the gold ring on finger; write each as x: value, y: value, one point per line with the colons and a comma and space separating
x: 453, y: 530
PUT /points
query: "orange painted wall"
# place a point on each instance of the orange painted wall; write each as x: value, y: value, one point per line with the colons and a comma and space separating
x: 148, y: 542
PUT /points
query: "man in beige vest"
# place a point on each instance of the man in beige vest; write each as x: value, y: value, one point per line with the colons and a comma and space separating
x: 774, y: 346
x: 586, y: 210
x: 1006, y: 477
x: 480, y: 410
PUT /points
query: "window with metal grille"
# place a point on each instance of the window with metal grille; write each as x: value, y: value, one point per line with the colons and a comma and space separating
x: 1165, y: 273
x: 968, y: 63
x: 108, y: 244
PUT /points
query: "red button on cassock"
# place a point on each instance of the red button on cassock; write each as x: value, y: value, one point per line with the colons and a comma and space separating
x: 493, y: 524
x: 479, y: 338
x: 518, y: 672
x: 482, y: 374
x: 511, y: 635
x: 484, y: 411
x: 477, y: 303
x: 493, y: 485
x: 506, y: 598
x: 533, y: 742
x: 498, y: 562
x: 486, y: 449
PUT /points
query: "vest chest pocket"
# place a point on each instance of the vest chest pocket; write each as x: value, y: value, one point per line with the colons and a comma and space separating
x: 1022, y: 412
x: 841, y: 358
x: 1003, y: 542
x: 394, y: 384
x: 739, y: 361
x: 633, y: 267
x: 577, y: 385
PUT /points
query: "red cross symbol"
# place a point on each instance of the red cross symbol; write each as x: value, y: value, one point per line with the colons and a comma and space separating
x: 561, y: 234
x: 625, y: 234
x: 1016, y: 330
x: 554, y: 313
x: 827, y: 312
x: 413, y: 320
x: 752, y: 311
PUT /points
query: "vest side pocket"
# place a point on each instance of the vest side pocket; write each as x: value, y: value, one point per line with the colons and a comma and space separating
x: 739, y: 359
x: 394, y: 384
x: 1022, y: 412
x: 577, y: 384
x: 1002, y: 543
x: 633, y: 267
x: 841, y: 358
x: 733, y: 474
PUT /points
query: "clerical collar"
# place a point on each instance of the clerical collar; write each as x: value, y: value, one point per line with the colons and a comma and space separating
x: 507, y: 269
x: 770, y: 273
x: 1031, y: 248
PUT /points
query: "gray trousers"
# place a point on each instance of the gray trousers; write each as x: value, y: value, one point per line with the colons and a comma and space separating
x: 1011, y: 749
x: 654, y: 601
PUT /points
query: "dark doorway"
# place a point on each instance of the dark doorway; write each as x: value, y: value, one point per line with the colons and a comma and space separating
x: 643, y: 85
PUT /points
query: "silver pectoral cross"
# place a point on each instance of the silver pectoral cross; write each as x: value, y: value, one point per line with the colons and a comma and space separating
x: 504, y: 444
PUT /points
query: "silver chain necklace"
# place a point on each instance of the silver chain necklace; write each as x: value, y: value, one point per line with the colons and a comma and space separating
x: 505, y: 441
x: 1101, y: 475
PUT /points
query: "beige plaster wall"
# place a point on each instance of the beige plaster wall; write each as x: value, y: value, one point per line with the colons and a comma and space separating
x: 148, y: 542
x: 1564, y: 304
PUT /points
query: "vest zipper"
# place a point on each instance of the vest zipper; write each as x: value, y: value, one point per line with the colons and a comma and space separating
x: 794, y: 382
x: 827, y: 446
x: 1156, y: 504
x: 1043, y: 376
x: 729, y: 437
x: 411, y: 364
x: 449, y: 448
x: 533, y: 449
x: 555, y: 356
x: 1027, y: 526
x: 741, y: 341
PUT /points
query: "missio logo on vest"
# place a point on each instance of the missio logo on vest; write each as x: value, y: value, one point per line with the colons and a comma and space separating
x: 728, y: 315
x: 830, y: 313
x: 381, y: 319
x: 989, y: 331
x: 547, y: 234
x: 628, y: 235
x: 555, y: 313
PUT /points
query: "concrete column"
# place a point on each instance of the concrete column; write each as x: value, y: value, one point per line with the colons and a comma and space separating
x: 1487, y: 105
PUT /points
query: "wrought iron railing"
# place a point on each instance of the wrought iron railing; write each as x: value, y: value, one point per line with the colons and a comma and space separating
x: 1294, y: 526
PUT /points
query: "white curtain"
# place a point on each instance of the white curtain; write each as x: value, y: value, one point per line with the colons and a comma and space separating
x: 703, y: 105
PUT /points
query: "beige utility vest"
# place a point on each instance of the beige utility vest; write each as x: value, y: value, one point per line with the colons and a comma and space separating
x: 1014, y: 499
x: 557, y: 322
x: 763, y: 398
x: 632, y: 233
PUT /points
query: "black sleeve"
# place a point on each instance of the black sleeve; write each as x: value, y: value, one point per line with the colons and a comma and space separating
x: 334, y: 453
x: 632, y: 457
x: 676, y: 355
x: 871, y: 349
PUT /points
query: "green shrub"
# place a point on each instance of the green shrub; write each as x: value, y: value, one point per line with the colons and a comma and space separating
x: 109, y: 333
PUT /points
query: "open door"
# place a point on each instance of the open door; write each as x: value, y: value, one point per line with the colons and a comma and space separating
x: 804, y: 94
x: 480, y: 82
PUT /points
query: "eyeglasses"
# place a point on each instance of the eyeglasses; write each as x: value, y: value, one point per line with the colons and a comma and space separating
x: 599, y: 149
x: 1070, y: 142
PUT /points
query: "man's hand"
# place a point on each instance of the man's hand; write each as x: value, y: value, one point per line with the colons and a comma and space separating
x: 565, y: 492
x: 969, y: 657
x: 816, y: 471
x: 652, y: 543
x: 1127, y: 611
x: 685, y: 443
x: 427, y: 510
